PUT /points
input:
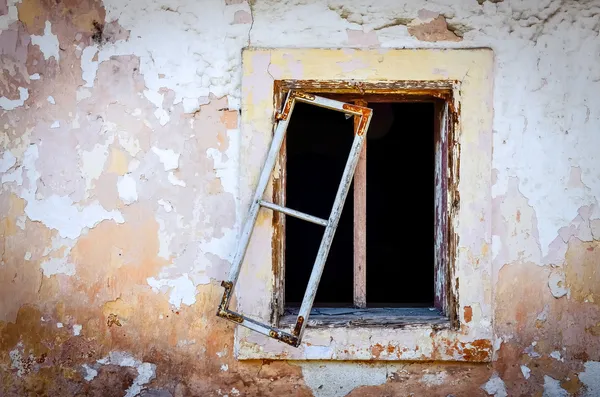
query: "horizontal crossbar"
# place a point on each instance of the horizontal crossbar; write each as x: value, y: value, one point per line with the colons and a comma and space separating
x: 294, y: 213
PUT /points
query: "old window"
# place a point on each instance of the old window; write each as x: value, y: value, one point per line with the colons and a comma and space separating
x: 435, y: 304
x: 365, y: 263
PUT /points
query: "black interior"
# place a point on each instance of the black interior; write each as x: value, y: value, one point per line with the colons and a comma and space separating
x: 400, y: 204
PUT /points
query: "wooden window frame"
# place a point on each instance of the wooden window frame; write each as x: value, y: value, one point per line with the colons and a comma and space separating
x: 440, y: 92
x: 470, y: 72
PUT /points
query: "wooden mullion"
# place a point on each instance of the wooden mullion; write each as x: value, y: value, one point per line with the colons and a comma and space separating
x: 360, y: 223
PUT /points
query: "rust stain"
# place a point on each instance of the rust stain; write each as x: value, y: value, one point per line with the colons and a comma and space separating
x: 113, y: 320
x: 468, y: 314
x: 376, y: 351
x: 518, y: 216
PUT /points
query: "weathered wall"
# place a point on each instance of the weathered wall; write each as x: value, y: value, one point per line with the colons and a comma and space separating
x: 120, y: 199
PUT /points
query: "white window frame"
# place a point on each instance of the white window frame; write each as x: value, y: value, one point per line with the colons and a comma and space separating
x: 258, y: 291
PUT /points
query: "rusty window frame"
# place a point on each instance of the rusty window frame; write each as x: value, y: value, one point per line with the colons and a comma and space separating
x: 363, y: 117
x: 443, y: 93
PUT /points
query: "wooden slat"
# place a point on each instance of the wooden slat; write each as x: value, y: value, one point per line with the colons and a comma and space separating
x: 360, y: 224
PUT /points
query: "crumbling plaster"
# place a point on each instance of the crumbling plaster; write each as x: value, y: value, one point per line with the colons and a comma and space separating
x: 121, y: 196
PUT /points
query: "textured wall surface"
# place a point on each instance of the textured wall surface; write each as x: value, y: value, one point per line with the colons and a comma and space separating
x: 120, y: 196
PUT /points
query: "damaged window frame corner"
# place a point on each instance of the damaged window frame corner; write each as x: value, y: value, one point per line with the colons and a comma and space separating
x: 363, y: 114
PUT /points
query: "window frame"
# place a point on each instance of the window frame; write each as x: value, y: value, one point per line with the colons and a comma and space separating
x: 441, y: 93
x: 471, y: 73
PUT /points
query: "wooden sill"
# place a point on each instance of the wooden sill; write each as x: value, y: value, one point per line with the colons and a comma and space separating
x: 381, y: 317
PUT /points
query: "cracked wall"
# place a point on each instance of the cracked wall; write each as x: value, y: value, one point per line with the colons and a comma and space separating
x: 120, y: 193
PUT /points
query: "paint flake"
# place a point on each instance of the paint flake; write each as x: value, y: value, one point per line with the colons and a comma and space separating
x: 126, y: 187
x: 60, y: 213
x: 183, y: 290
x: 552, y: 388
x: 7, y: 162
x: 56, y: 266
x: 77, y: 329
x: 495, y: 386
x: 590, y: 377
x: 11, y: 104
x: 48, y: 43
x: 167, y: 157
x: 525, y: 371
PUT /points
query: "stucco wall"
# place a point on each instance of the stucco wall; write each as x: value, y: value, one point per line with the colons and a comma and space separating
x: 120, y: 193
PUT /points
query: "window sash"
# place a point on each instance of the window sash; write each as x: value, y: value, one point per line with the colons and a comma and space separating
x: 363, y: 114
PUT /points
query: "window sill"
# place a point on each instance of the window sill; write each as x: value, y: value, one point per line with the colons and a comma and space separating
x: 380, y: 317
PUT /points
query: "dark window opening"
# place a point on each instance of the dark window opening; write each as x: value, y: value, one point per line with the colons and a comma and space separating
x: 400, y: 205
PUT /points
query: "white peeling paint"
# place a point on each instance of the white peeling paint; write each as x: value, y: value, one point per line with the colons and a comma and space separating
x: 62, y: 214
x: 224, y: 368
x: 77, y: 329
x: 7, y: 161
x: 525, y: 371
x: 195, y: 53
x: 11, y: 16
x: 90, y: 373
x: 51, y: 100
x: 89, y: 68
x: 27, y: 256
x: 55, y: 266
x: 552, y: 388
x: 530, y: 350
x: 434, y: 379
x: 174, y: 180
x: 339, y: 379
x: 58, y: 212
x: 146, y: 371
x: 48, y: 43
x: 590, y: 377
x: 227, y: 164
x: 10, y: 104
x: 55, y: 124
x: 126, y: 187
x: 93, y: 162
x: 557, y: 284
x: 59, y: 325
x: 35, y: 76
x: 183, y: 290
x: 164, y: 239
x: 495, y: 386
x: 167, y: 157
x: 556, y: 355
x: 166, y: 205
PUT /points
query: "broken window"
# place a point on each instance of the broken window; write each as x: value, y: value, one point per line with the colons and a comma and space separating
x: 362, y: 116
x: 379, y: 236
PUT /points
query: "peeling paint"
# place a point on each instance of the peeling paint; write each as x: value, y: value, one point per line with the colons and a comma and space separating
x: 183, y: 290
x: 48, y: 43
x: 127, y: 189
x: 495, y: 387
x: 168, y: 158
x: 337, y: 380
x: 129, y: 147
x: 552, y: 388
x: 590, y: 377
x: 11, y: 104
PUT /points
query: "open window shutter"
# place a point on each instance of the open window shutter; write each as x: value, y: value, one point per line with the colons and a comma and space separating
x: 294, y: 336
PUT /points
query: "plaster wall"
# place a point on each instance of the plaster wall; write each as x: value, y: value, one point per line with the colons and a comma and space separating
x: 122, y: 193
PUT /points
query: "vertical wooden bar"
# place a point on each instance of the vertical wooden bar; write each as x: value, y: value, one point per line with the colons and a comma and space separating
x: 360, y: 223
